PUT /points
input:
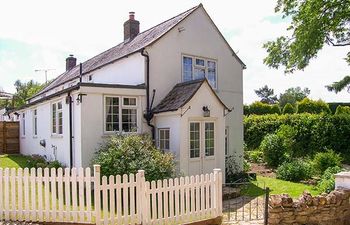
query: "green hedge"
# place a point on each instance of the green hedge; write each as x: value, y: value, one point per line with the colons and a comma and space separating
x: 259, y: 108
x: 314, y: 132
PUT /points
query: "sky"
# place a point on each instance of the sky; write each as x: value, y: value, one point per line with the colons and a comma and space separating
x: 40, y: 34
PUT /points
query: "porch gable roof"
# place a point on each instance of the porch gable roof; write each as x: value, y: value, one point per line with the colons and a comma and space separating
x: 181, y: 94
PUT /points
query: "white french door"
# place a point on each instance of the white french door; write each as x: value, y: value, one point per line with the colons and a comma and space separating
x: 202, y: 142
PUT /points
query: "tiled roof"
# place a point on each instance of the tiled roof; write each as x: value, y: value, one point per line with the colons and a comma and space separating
x: 123, y: 49
x: 178, y: 96
x: 181, y: 94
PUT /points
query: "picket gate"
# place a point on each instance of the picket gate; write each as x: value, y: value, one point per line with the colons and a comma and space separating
x: 76, y: 195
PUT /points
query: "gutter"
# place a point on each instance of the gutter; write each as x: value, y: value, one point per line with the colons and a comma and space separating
x: 149, y: 115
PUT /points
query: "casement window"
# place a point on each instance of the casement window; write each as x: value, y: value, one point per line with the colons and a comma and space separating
x: 196, y: 68
x: 194, y: 140
x: 209, y: 138
x: 23, y: 124
x: 35, y: 122
x: 57, y: 118
x: 226, y: 140
x: 120, y: 114
x: 164, y: 139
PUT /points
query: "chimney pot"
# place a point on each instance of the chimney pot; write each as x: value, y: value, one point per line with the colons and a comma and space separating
x: 131, y: 15
x: 71, y: 62
x: 131, y: 27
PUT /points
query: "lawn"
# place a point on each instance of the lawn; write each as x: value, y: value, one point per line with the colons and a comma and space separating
x: 13, y: 161
x: 278, y: 187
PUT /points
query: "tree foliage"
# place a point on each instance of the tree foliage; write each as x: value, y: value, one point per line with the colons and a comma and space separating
x: 340, y: 85
x: 293, y: 95
x: 25, y: 91
x: 314, y: 23
x: 267, y: 95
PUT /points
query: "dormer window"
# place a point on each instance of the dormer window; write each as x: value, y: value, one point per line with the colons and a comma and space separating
x: 194, y: 68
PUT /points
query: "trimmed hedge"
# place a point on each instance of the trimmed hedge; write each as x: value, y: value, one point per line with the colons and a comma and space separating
x: 311, y: 106
x: 259, y: 108
x: 313, y: 132
x: 333, y: 105
x: 342, y: 110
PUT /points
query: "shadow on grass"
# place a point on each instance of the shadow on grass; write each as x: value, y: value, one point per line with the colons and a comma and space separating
x: 252, y: 189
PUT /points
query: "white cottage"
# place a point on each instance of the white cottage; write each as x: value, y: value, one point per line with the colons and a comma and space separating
x: 180, y: 81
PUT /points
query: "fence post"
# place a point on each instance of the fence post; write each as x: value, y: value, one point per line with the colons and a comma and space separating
x: 141, y: 197
x: 267, y: 196
x: 218, y: 199
x: 97, y: 193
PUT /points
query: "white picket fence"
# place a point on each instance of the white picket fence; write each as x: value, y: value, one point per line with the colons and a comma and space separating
x: 75, y: 195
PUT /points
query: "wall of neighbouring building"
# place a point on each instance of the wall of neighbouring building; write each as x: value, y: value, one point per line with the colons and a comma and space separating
x: 326, y: 209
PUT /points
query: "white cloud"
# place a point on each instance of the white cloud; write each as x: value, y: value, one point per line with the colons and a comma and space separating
x: 85, y: 28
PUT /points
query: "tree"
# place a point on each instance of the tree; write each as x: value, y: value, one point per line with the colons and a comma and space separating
x: 25, y: 91
x: 267, y: 95
x: 293, y: 95
x: 340, y: 85
x: 314, y: 23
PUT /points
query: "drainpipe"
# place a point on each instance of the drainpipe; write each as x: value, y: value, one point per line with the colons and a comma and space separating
x: 148, y: 115
x: 69, y: 98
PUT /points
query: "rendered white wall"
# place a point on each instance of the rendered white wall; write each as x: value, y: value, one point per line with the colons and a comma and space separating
x: 200, y: 38
x: 92, y: 117
x: 29, y: 144
x: 129, y: 70
x: 179, y: 129
x: 171, y: 121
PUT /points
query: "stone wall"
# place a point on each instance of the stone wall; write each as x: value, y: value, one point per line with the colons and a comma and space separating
x: 325, y: 209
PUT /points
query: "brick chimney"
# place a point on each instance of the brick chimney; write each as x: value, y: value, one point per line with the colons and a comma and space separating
x: 70, y: 62
x: 131, y: 27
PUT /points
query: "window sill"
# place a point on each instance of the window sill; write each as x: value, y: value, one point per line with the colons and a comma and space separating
x: 35, y: 137
x: 107, y: 134
x: 56, y: 136
x: 23, y: 137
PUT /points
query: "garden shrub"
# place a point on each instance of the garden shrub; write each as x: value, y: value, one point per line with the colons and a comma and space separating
x: 310, y: 106
x: 327, y: 182
x: 295, y: 170
x: 324, y: 160
x: 287, y: 133
x: 246, y: 166
x: 342, y: 110
x: 126, y: 154
x: 256, y: 156
x: 38, y: 161
x: 313, y: 132
x: 288, y: 109
x: 274, y: 150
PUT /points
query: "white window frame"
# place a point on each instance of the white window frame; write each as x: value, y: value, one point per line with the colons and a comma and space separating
x: 121, y: 106
x: 163, y: 139
x: 35, y: 122
x: 57, y: 124
x: 189, y: 138
x: 23, y: 124
x: 205, y: 139
x: 206, y: 67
